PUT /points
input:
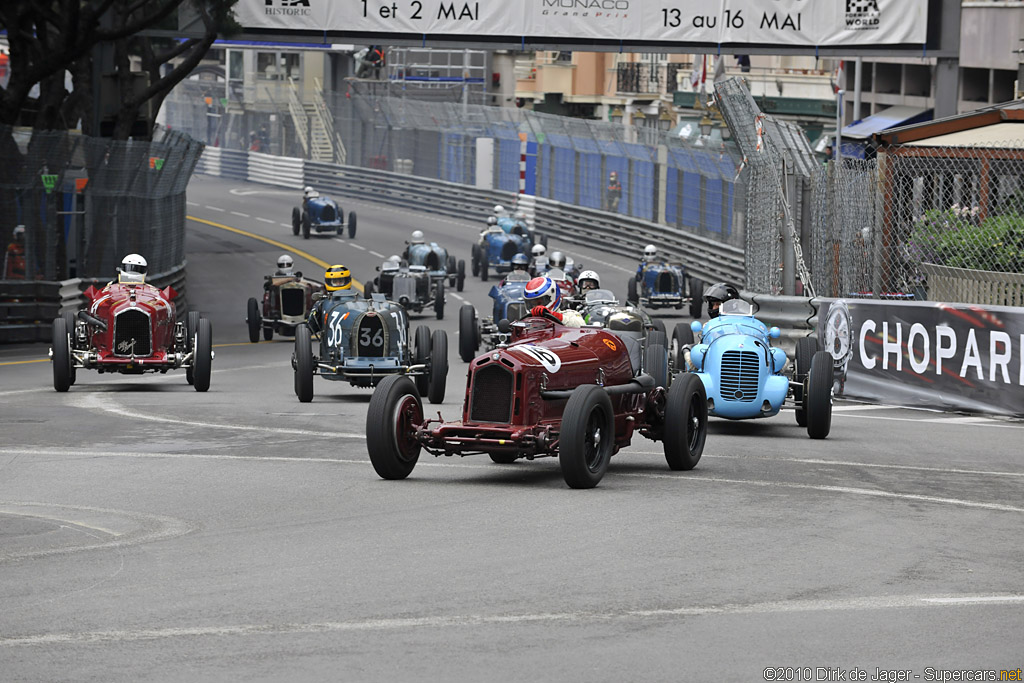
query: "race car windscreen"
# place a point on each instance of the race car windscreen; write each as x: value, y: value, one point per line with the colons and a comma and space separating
x: 600, y: 296
x: 737, y: 307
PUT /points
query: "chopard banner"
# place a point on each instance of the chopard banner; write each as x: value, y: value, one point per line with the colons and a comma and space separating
x: 780, y: 22
x: 929, y: 355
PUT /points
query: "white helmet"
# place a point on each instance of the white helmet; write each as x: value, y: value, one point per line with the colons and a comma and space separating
x: 491, y: 220
x: 591, y: 276
x: 285, y: 263
x: 650, y: 251
x: 417, y: 237
x: 538, y: 250
x: 133, y: 270
x: 499, y: 209
x: 310, y: 192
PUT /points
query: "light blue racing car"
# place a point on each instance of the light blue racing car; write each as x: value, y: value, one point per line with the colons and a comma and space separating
x: 743, y: 373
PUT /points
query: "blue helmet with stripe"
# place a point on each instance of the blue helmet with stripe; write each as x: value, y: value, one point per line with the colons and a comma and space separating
x: 543, y: 291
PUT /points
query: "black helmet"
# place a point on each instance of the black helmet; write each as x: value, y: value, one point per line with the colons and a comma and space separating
x: 520, y: 262
x: 716, y: 294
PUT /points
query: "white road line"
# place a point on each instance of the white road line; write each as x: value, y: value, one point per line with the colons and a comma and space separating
x: 96, y: 402
x: 376, y: 253
x: 475, y: 621
x: 951, y: 421
x: 264, y: 220
x: 239, y: 213
x: 355, y: 246
x: 191, y: 203
x: 214, y: 208
x: 862, y: 406
x: 285, y: 225
x: 456, y: 296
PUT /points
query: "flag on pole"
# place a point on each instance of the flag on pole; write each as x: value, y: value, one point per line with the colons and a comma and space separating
x: 838, y: 84
x: 719, y: 68
x: 695, y: 75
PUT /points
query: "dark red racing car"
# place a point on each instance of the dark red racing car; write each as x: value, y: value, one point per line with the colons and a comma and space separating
x: 579, y: 394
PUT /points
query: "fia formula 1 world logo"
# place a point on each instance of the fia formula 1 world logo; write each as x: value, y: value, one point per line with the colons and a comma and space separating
x: 862, y: 15
x: 291, y: 8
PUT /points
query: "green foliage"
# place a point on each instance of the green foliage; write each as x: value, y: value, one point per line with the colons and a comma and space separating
x: 955, y: 237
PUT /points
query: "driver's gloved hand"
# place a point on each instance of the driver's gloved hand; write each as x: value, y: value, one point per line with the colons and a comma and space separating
x: 543, y: 312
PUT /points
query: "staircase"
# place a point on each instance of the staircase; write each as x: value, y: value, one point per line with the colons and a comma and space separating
x: 314, y: 125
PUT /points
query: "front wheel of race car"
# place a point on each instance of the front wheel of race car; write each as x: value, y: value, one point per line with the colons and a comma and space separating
x: 631, y: 296
x: 394, y: 413
x: 191, y: 324
x: 686, y: 422
x: 484, y: 265
x: 438, y: 366
x: 474, y: 260
x: 296, y: 220
x: 61, y: 359
x: 696, y: 298
x: 252, y: 319
x: 202, y: 358
x: 806, y: 347
x: 439, y: 300
x: 351, y: 224
x: 656, y: 361
x: 468, y: 342
x: 682, y: 337
x: 818, y: 396
x: 303, y: 364
x: 305, y: 225
x: 460, y: 275
x: 421, y: 356
x: 587, y: 437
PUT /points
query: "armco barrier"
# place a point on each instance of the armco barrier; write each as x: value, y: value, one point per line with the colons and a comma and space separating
x: 274, y: 170
x: 709, y: 260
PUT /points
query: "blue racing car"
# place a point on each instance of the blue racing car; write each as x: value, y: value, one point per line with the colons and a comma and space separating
x: 743, y: 373
x: 509, y: 305
x: 321, y: 214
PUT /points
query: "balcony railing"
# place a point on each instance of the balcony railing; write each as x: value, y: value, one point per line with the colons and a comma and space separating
x: 640, y: 77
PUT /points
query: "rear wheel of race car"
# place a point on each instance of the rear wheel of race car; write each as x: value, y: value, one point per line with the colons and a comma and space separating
x: 69, y: 322
x: 303, y: 364
x: 394, y: 413
x: 438, y: 366
x: 474, y: 260
x: 483, y: 269
x: 368, y: 290
x: 659, y: 326
x: 587, y: 437
x: 351, y: 224
x: 191, y: 324
x: 460, y: 275
x: 468, y: 343
x: 686, y: 422
x: 439, y: 300
x: 682, y: 337
x: 61, y: 359
x: 296, y: 220
x: 656, y: 362
x: 696, y: 298
x: 252, y: 319
x: 202, y: 358
x: 631, y: 296
x: 818, y: 399
x: 806, y: 347
x: 421, y: 356
x: 451, y: 270
x: 305, y: 225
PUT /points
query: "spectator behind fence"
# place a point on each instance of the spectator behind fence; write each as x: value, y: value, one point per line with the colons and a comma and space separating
x: 14, y: 255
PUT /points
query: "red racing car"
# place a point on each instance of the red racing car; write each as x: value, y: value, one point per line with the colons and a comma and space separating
x: 131, y: 329
x: 579, y: 394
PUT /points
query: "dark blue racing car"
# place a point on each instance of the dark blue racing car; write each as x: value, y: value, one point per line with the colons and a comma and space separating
x: 321, y: 214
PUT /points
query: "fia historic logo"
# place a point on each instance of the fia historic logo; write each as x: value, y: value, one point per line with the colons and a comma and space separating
x: 290, y: 8
x: 862, y: 15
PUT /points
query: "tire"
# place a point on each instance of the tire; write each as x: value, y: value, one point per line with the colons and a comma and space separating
x: 252, y: 319
x: 483, y: 269
x: 656, y: 363
x: 587, y: 437
x: 657, y: 337
x: 421, y: 356
x: 61, y: 359
x: 805, y: 350
x: 368, y: 290
x: 305, y: 225
x: 504, y: 458
x: 631, y: 296
x: 191, y: 324
x: 818, y: 399
x: 268, y: 332
x: 696, y: 298
x: 468, y: 342
x: 460, y: 275
x: 395, y: 407
x: 69, y: 322
x: 351, y: 224
x: 438, y: 377
x: 303, y: 364
x: 682, y: 336
x: 296, y: 220
x: 202, y: 359
x: 686, y: 422
x: 659, y: 326
x: 439, y: 300
x: 474, y: 260
x: 451, y: 266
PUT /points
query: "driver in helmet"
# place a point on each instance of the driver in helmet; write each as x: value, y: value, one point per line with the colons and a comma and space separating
x: 415, y: 238
x: 285, y: 266
x: 650, y: 254
x: 520, y: 269
x: 717, y: 294
x: 492, y: 225
x: 587, y: 281
x: 132, y: 270
x: 544, y: 300
x: 499, y: 211
x: 338, y: 282
x: 540, y: 262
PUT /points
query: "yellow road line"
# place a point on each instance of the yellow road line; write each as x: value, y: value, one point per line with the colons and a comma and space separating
x: 281, y: 245
x: 22, y: 362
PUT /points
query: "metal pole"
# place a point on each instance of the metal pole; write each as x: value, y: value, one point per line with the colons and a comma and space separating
x: 838, y: 147
x: 857, y: 73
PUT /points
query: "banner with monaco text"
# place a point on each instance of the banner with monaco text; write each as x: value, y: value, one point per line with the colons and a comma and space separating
x: 831, y: 23
x: 927, y: 354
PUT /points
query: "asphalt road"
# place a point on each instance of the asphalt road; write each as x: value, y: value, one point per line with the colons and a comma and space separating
x: 152, y: 533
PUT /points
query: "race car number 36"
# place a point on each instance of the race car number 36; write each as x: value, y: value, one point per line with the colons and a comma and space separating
x: 550, y: 361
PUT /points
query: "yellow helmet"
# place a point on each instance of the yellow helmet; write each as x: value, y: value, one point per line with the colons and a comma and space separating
x: 337, y: 277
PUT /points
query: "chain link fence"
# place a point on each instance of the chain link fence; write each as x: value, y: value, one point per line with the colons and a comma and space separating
x: 73, y: 206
